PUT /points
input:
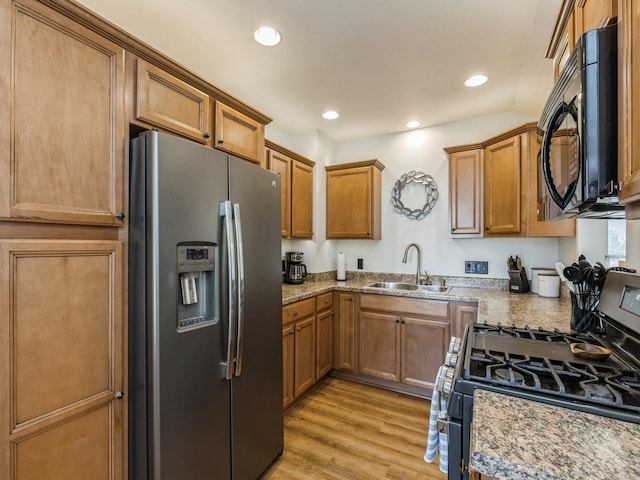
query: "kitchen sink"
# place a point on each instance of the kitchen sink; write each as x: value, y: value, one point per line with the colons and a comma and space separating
x: 410, y: 286
x: 434, y: 288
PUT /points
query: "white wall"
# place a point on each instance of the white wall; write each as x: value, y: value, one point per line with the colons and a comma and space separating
x: 414, y: 150
x: 422, y: 150
x: 633, y: 244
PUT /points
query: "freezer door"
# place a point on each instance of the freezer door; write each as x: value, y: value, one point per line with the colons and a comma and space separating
x: 188, y: 395
x: 256, y: 392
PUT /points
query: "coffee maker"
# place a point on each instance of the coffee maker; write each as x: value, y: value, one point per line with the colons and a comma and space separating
x: 295, y: 270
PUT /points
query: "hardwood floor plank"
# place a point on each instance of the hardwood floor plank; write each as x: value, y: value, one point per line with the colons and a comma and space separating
x: 348, y: 431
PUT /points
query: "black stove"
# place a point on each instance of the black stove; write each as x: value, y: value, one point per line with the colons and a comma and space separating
x: 539, y: 365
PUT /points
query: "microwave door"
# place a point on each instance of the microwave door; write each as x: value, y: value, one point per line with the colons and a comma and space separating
x: 561, y: 154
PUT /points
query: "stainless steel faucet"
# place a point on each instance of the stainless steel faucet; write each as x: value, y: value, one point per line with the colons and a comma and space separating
x: 404, y: 259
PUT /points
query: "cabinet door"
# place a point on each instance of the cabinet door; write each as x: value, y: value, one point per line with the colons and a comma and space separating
x: 305, y: 354
x: 62, y: 124
x: 350, y: 203
x: 281, y: 164
x: 167, y: 102
x: 424, y: 346
x: 590, y: 14
x: 62, y: 332
x: 380, y: 345
x: 301, y: 200
x: 288, y: 354
x: 463, y: 314
x: 345, y: 334
x: 465, y: 190
x: 324, y: 343
x: 238, y: 134
x: 629, y: 105
x: 502, y: 190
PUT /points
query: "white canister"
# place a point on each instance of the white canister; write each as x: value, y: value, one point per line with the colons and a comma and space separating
x: 535, y: 271
x: 548, y: 285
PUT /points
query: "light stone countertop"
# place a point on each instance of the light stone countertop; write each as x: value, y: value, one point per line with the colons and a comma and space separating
x: 494, y: 305
x: 515, y: 438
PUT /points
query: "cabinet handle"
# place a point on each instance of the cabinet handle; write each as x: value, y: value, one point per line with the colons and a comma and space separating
x: 120, y: 216
x: 206, y: 135
x: 326, y: 301
x: 295, y: 314
x: 119, y: 394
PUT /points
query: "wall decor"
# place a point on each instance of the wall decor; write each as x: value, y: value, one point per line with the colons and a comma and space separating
x: 431, y: 192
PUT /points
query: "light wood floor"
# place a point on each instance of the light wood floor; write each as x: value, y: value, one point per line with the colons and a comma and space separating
x: 347, y: 431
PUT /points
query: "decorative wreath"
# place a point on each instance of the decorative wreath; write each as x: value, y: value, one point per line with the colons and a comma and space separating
x: 431, y: 191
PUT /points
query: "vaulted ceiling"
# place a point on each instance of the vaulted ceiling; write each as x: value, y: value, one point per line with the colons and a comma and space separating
x: 380, y: 63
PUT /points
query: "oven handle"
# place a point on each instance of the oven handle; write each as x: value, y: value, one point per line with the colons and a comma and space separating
x: 554, y: 123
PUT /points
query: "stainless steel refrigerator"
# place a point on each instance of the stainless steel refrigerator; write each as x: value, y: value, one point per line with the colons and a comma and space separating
x: 205, y: 320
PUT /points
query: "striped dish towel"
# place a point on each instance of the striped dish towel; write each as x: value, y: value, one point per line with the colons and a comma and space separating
x: 436, y: 440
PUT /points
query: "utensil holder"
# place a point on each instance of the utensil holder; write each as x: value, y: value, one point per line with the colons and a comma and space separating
x: 583, y: 314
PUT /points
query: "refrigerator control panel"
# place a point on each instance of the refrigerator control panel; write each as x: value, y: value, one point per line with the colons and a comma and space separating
x: 196, y: 258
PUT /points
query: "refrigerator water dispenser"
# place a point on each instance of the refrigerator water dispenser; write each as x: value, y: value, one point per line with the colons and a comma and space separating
x: 197, y: 302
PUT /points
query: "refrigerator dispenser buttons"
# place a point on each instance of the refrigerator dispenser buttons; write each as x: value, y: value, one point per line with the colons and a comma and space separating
x: 197, y: 303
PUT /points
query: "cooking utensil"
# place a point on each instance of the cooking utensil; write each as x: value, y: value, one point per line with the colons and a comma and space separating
x: 588, y: 351
x: 573, y: 274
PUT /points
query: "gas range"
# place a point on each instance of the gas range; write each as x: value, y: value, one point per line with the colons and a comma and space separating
x: 548, y: 366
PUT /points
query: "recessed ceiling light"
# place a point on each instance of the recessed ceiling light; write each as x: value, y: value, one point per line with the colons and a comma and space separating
x: 267, y: 36
x: 475, y: 80
x: 413, y: 124
x: 330, y: 115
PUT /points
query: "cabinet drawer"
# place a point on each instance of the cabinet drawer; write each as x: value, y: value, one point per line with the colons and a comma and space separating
x: 433, y: 308
x: 298, y: 310
x: 324, y: 301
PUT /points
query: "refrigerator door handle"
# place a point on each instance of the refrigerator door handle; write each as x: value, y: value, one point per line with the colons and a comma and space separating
x: 226, y: 212
x: 240, y: 303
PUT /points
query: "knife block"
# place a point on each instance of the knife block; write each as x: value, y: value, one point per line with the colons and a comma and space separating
x: 518, y: 282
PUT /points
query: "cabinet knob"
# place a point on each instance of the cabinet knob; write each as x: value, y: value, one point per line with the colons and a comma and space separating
x: 292, y: 331
x: 120, y: 216
x: 299, y: 328
x: 220, y: 141
x: 397, y: 320
x: 206, y: 135
x: 119, y: 394
x: 295, y: 314
x: 453, y: 229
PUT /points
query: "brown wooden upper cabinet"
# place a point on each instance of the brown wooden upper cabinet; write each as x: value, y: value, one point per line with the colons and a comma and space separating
x: 575, y: 18
x: 465, y: 192
x: 502, y: 189
x: 629, y: 105
x: 164, y: 101
x: 505, y: 168
x: 354, y: 200
x: 238, y: 134
x: 296, y: 215
x: 62, y: 123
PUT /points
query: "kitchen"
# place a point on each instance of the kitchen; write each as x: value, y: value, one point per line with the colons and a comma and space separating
x: 400, y: 152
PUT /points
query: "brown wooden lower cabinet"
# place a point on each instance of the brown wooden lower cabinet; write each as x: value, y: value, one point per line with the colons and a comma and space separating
x: 298, y: 349
x: 324, y: 334
x: 62, y: 373
x: 401, y: 340
x: 345, y: 333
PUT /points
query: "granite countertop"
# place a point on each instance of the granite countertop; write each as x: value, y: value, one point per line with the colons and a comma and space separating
x: 494, y: 305
x: 516, y: 438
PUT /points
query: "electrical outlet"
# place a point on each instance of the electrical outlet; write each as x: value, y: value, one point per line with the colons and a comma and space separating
x: 476, y: 266
x: 360, y: 264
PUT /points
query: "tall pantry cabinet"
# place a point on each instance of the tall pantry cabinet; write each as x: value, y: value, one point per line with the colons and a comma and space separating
x: 62, y: 255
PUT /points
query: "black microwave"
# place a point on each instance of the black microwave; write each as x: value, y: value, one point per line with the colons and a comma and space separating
x: 579, y: 129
